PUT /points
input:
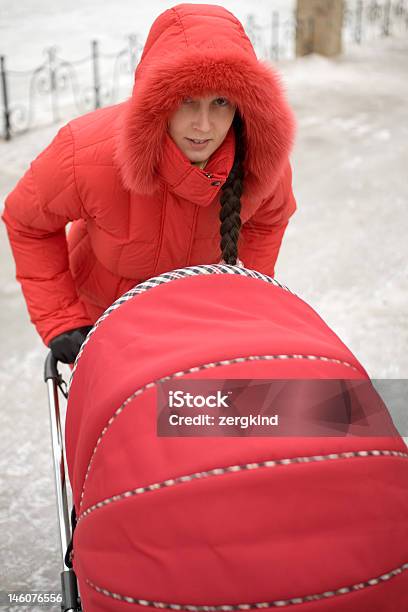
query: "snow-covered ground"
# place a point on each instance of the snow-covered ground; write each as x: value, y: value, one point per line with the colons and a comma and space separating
x: 41, y: 24
x: 345, y: 251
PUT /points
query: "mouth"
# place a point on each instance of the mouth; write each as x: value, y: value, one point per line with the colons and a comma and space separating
x: 196, y: 143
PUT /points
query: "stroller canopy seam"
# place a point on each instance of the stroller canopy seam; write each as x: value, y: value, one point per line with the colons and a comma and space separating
x: 188, y: 478
x: 224, y: 362
x: 255, y: 606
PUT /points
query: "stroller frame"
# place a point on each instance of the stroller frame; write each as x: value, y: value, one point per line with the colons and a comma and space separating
x: 55, y: 385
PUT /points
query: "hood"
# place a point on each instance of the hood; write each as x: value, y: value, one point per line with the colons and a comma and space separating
x: 194, y: 50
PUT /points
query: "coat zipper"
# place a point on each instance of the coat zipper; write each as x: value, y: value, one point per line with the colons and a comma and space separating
x: 190, y: 248
x: 159, y: 247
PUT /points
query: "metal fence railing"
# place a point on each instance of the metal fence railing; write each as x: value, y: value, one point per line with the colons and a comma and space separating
x: 59, y: 88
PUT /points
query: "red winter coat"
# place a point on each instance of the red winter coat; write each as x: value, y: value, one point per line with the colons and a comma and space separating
x: 139, y: 206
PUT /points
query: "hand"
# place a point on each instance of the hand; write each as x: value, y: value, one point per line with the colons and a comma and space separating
x: 66, y: 346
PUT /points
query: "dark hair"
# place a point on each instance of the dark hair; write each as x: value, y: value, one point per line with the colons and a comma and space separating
x: 231, y: 199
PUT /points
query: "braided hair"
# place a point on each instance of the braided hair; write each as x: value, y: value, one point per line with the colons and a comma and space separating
x: 231, y: 199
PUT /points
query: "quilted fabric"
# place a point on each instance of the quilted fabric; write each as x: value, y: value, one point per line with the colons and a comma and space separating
x: 138, y: 206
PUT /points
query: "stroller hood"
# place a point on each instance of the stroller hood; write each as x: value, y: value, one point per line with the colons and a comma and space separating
x: 226, y: 523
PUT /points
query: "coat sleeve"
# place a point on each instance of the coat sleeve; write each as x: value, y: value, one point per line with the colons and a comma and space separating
x: 262, y: 234
x: 36, y: 213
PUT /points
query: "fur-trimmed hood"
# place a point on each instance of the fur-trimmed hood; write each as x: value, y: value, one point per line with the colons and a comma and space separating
x: 193, y: 50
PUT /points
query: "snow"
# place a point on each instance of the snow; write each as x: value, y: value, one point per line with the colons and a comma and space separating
x: 345, y: 250
x: 42, y: 24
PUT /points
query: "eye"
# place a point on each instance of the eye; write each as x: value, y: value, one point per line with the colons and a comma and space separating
x: 221, y: 101
x: 188, y: 101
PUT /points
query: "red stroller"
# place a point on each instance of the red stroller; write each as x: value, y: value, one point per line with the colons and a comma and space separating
x: 208, y: 523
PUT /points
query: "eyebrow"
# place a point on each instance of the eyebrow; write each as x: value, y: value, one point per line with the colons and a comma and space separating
x: 215, y: 97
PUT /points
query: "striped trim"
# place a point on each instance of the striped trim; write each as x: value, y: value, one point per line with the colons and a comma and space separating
x: 167, y: 277
x: 281, y: 603
x: 198, y: 369
x: 240, y: 468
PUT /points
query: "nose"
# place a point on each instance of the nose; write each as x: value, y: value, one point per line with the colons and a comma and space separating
x: 201, y: 121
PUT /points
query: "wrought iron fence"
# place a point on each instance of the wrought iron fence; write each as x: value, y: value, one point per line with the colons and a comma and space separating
x: 67, y: 87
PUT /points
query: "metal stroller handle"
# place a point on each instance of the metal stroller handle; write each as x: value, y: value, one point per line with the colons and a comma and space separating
x: 54, y: 381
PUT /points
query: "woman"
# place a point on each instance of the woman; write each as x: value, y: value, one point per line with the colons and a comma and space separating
x: 144, y: 197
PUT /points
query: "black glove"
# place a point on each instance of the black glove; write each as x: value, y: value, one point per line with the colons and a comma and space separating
x: 66, y: 346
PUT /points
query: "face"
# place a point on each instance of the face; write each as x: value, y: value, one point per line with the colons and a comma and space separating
x: 206, y: 119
